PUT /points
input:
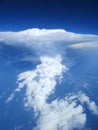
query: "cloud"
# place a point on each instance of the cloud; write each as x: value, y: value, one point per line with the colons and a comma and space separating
x: 84, y: 45
x: 90, y: 104
x: 84, y: 99
x: 61, y: 115
x: 10, y: 98
x: 41, y: 82
x: 18, y: 127
x: 67, y: 113
x: 45, y: 41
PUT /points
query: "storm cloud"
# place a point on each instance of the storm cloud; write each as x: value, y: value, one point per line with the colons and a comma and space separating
x: 50, y: 46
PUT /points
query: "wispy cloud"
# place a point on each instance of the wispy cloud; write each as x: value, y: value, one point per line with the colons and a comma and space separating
x: 84, y: 45
x: 10, y: 98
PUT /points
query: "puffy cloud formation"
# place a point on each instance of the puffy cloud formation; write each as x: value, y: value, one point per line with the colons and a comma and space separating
x: 60, y: 114
x: 90, y: 104
x: 63, y: 114
x: 83, y: 99
x: 41, y: 82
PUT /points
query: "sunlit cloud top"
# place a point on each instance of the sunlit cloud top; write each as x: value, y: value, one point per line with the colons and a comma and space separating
x: 45, y: 41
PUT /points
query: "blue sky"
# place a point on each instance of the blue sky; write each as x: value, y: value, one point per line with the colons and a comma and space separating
x: 78, y: 16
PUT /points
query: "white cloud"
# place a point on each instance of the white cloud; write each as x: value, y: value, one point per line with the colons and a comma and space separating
x: 41, y: 82
x: 84, y: 99
x: 90, y: 104
x: 63, y: 114
x: 45, y: 41
x: 10, y: 98
x: 84, y: 45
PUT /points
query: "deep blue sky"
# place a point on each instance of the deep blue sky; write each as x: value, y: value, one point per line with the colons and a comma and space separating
x: 79, y: 16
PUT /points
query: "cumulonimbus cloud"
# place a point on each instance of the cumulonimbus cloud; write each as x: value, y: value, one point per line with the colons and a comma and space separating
x: 45, y: 41
x: 60, y: 114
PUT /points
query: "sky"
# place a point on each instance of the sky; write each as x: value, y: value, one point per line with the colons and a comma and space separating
x: 62, y: 111
x: 78, y: 16
x: 56, y: 37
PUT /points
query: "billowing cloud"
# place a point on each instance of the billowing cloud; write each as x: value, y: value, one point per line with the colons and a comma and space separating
x: 41, y: 82
x: 67, y: 113
x: 45, y: 41
x: 61, y: 114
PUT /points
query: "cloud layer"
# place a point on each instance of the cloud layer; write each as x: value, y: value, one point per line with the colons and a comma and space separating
x: 50, y: 45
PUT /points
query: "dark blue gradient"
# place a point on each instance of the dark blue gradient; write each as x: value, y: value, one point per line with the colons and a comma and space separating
x: 79, y: 16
